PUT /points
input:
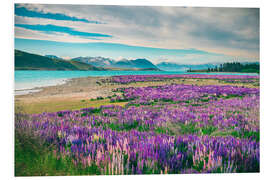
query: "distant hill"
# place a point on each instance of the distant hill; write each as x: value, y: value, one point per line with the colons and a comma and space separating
x: 137, y: 63
x: 53, y: 57
x: 27, y: 61
x: 96, y: 61
x: 168, y: 66
x: 131, y: 69
x: 124, y: 63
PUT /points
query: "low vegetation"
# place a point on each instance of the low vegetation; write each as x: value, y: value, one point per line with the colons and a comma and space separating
x: 172, y: 128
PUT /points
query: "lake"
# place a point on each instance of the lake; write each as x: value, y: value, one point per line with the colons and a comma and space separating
x: 25, y: 81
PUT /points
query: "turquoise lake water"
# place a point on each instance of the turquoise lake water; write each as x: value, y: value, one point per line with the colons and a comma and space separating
x: 27, y: 80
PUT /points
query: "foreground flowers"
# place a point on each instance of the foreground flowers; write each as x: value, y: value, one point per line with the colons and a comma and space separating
x: 142, y: 78
x: 146, y: 152
x: 164, y: 129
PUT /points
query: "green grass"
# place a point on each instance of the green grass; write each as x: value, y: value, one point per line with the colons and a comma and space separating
x: 188, y: 128
x: 208, y: 130
x: 59, y: 105
x: 123, y: 127
x: 32, y: 158
x: 238, y: 134
x: 164, y: 130
x: 247, y: 134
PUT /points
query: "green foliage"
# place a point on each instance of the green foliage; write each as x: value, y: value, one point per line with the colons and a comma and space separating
x: 251, y: 70
x: 124, y: 126
x: 238, y: 67
x: 119, y: 100
x: 208, y: 130
x: 246, y: 134
x: 99, y: 98
x: 232, y: 67
x: 205, y: 100
x: 168, y: 100
x: 195, y: 104
x: 198, y: 166
x: 188, y: 128
x: 231, y: 96
x: 33, y: 158
x: 163, y: 130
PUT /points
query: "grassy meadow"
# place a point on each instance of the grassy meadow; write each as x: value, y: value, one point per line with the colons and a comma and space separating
x: 142, y: 125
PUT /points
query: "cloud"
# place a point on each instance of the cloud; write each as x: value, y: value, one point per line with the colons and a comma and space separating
x: 60, y: 29
x: 23, y: 33
x: 22, y: 11
x: 228, y: 31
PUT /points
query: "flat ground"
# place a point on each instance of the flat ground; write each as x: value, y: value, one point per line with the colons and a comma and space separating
x: 36, y: 157
x: 83, y: 92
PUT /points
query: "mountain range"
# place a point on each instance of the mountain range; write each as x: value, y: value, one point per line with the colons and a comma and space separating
x: 96, y: 61
x: 124, y: 63
x: 140, y: 63
x: 28, y: 61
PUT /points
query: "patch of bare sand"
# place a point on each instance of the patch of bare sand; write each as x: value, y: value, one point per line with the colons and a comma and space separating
x: 76, y: 89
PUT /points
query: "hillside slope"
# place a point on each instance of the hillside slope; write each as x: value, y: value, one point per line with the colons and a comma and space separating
x: 137, y: 63
x: 122, y: 64
x: 27, y: 61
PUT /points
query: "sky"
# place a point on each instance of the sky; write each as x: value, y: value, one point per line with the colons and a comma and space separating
x: 183, y: 35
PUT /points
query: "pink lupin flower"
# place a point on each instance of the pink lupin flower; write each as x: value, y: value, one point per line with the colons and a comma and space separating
x: 166, y: 170
x: 209, y: 160
x: 89, y: 160
x: 109, y: 168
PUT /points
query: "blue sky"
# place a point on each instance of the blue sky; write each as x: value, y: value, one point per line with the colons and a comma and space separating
x: 49, y: 28
x: 22, y: 11
x: 171, y: 34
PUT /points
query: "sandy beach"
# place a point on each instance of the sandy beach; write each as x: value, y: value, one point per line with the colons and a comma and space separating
x: 73, y: 94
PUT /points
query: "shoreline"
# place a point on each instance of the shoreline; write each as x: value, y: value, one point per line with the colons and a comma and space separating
x: 65, y: 86
x: 61, y: 81
x: 39, y: 87
x: 75, y: 93
x: 82, y: 92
